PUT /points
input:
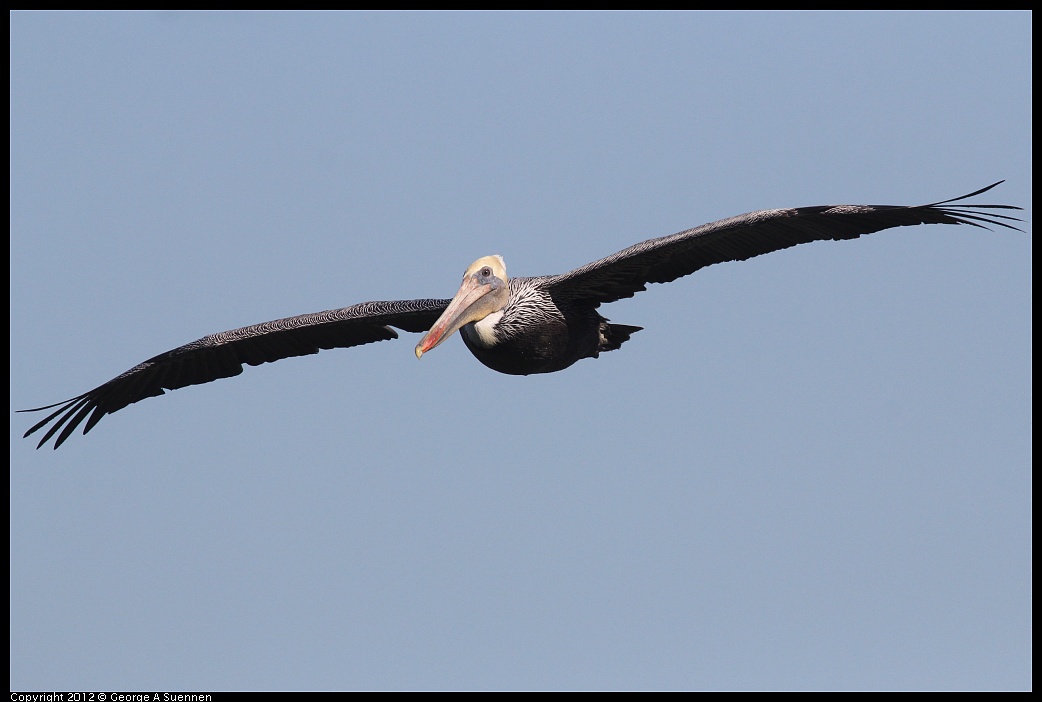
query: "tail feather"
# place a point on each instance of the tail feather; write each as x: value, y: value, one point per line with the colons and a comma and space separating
x: 615, y: 335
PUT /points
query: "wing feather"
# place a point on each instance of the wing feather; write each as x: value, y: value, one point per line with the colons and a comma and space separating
x: 739, y: 238
x: 223, y: 355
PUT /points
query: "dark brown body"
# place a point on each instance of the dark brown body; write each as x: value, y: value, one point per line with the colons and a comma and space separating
x: 540, y: 334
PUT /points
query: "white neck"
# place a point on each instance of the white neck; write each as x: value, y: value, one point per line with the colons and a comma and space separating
x: 483, y: 331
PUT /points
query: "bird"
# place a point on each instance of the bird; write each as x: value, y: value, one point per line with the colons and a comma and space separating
x: 518, y: 326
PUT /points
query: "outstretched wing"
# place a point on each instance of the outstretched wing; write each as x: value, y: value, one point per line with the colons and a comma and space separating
x: 222, y: 356
x: 735, y: 239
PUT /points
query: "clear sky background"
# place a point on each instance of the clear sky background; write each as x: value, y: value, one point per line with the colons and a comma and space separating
x: 811, y: 470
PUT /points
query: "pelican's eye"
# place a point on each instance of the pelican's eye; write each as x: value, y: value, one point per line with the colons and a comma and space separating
x: 486, y: 272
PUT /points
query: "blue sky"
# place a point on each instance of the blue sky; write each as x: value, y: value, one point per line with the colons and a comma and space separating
x: 811, y: 470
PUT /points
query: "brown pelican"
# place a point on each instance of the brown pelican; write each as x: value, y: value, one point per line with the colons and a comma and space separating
x: 513, y: 325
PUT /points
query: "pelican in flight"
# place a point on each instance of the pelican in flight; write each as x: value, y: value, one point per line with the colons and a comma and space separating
x: 518, y: 326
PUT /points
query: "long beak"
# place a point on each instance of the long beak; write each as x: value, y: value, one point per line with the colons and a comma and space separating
x: 466, y: 307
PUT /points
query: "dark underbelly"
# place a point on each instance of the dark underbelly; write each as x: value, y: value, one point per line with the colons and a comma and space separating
x: 540, y: 349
